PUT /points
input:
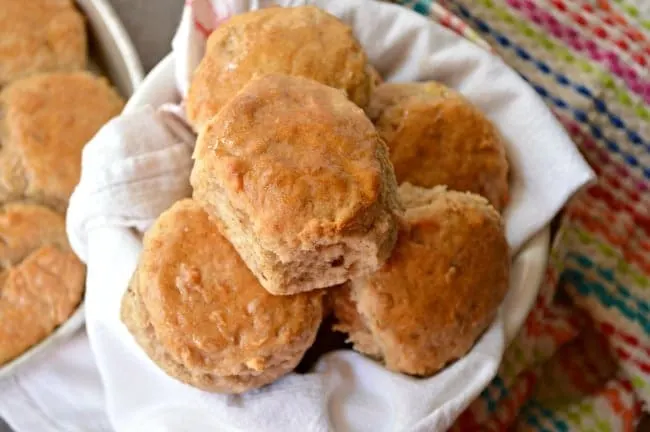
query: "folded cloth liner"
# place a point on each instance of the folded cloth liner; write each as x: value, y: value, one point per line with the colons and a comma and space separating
x: 139, y: 164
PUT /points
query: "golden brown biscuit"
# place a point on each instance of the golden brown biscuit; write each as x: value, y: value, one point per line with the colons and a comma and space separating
x: 199, y: 313
x: 301, y: 181
x: 41, y: 280
x: 436, y: 137
x: 45, y: 121
x: 303, y: 41
x: 40, y: 36
x: 439, y: 290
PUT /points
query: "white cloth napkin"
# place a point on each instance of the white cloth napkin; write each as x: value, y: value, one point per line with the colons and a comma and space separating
x: 59, y: 391
x: 139, y: 164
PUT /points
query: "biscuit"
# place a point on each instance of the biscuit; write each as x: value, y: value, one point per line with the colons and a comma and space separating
x: 440, y: 289
x: 436, y: 137
x: 301, y: 181
x: 41, y: 280
x: 40, y: 36
x: 45, y: 121
x: 303, y: 41
x: 202, y: 317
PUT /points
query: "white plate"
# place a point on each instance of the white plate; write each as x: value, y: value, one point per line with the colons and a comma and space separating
x: 527, y: 267
x: 111, y: 51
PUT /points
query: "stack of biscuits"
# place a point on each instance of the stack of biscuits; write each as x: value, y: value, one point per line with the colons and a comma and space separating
x: 49, y: 108
x: 318, y: 191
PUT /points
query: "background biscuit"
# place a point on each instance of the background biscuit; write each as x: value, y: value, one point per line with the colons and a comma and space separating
x: 45, y: 121
x: 436, y: 137
x: 303, y: 41
x: 41, y: 280
x: 40, y: 36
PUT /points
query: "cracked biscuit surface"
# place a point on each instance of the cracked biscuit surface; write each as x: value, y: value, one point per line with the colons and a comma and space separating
x: 303, y: 41
x: 41, y: 280
x: 45, y: 121
x: 437, y: 137
x: 40, y: 36
x: 200, y: 314
x: 439, y: 290
x: 301, y: 181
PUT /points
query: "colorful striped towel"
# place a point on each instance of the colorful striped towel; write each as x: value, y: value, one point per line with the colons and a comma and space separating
x: 581, y: 362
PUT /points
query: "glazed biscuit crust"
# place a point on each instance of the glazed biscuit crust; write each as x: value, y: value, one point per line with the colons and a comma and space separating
x: 293, y: 168
x: 202, y: 316
x: 40, y: 36
x: 303, y: 41
x: 436, y: 137
x: 45, y: 121
x: 439, y: 290
x: 41, y: 280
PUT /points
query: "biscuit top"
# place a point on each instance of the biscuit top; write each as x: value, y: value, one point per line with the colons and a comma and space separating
x: 26, y: 227
x: 436, y: 137
x: 296, y: 157
x: 41, y: 280
x: 40, y: 36
x: 303, y: 41
x: 46, y: 121
x: 207, y: 309
x: 447, y: 275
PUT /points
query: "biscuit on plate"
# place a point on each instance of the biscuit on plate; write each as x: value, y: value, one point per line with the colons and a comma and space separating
x: 40, y: 36
x: 41, y: 280
x: 303, y: 41
x: 200, y: 314
x: 301, y: 181
x: 45, y: 121
x: 437, y: 137
x: 439, y: 290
